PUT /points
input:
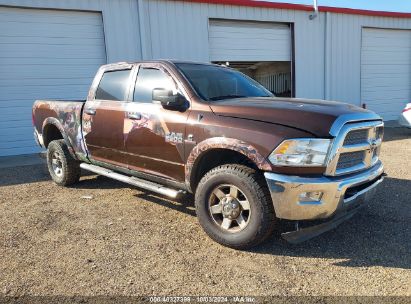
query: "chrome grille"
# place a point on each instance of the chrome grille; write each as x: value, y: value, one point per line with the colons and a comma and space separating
x: 356, y: 137
x: 350, y: 159
x: 355, y: 148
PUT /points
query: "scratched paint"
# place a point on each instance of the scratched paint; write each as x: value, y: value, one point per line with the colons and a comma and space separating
x: 225, y: 143
x: 68, y: 119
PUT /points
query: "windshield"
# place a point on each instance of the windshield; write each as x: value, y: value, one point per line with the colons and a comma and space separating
x: 213, y: 82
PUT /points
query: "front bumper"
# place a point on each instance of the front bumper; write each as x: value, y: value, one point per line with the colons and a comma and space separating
x: 339, y: 193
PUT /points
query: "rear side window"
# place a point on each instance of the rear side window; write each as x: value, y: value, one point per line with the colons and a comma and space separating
x: 149, y: 79
x: 113, y: 85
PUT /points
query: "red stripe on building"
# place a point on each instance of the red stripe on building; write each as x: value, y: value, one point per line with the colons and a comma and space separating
x: 303, y: 7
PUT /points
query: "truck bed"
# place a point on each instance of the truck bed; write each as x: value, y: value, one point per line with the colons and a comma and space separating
x: 65, y: 115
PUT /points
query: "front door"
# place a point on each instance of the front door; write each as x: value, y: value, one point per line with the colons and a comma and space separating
x: 103, y: 118
x: 154, y: 135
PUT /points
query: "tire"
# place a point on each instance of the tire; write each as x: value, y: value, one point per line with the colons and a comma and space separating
x: 258, y: 221
x: 58, y: 157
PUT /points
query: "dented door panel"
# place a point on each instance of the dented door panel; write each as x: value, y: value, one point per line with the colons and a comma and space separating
x: 103, y: 131
x: 155, y: 143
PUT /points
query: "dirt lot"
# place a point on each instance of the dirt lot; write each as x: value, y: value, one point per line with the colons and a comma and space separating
x: 53, y: 241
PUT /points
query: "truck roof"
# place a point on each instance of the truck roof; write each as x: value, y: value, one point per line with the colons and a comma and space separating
x: 172, y: 61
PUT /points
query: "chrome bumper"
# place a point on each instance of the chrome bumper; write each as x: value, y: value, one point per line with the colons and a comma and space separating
x: 286, y: 190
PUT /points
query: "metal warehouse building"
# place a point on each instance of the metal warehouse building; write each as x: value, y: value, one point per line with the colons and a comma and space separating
x: 51, y: 49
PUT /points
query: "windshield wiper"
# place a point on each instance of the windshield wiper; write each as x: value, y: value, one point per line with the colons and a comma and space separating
x: 226, y: 97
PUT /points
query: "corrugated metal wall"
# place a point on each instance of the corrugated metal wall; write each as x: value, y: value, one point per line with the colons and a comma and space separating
x: 278, y: 83
x: 343, y: 52
x: 120, y: 18
x: 179, y: 30
x: 386, y: 70
x: 52, y: 49
x: 327, y: 49
x: 48, y: 54
x: 245, y: 41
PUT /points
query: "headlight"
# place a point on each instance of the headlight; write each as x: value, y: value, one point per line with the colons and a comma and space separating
x: 310, y: 152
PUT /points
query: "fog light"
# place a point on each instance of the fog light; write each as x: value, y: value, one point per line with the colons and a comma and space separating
x: 313, y: 196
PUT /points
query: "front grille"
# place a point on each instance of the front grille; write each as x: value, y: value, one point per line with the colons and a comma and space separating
x: 350, y: 159
x: 356, y: 148
x: 356, y: 137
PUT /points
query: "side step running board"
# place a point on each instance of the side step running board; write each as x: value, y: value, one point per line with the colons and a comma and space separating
x: 141, y: 183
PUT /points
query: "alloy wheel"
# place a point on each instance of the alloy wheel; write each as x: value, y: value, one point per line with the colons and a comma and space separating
x: 57, y: 163
x: 229, y: 208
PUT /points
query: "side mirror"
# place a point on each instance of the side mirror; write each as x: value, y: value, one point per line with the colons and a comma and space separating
x: 168, y: 99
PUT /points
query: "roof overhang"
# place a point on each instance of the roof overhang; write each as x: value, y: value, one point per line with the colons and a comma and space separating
x: 303, y: 7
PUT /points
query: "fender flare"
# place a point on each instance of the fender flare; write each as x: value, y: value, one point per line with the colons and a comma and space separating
x: 55, y: 122
x: 223, y: 143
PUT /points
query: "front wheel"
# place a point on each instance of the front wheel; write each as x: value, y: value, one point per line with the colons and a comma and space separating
x: 63, y: 168
x: 234, y: 207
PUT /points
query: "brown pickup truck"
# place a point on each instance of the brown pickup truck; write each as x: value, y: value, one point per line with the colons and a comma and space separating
x: 251, y: 159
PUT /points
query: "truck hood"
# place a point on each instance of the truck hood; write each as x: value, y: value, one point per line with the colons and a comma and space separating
x: 313, y: 116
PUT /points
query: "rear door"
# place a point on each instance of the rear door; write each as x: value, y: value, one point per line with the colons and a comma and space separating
x: 103, y: 117
x: 155, y: 136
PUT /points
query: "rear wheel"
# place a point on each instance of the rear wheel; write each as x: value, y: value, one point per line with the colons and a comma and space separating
x: 234, y: 207
x: 63, y: 168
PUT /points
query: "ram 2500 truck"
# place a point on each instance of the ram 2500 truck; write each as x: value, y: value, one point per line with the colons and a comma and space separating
x: 250, y: 159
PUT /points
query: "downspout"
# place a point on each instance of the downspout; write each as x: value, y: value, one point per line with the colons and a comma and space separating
x: 327, y: 57
x: 315, y: 13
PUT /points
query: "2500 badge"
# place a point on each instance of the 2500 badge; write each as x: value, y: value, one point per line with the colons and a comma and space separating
x: 174, y: 137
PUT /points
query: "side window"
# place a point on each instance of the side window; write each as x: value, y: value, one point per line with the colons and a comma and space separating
x: 149, y: 79
x: 113, y: 85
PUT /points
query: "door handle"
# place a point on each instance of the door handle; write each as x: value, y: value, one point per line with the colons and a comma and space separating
x: 134, y: 115
x: 90, y: 111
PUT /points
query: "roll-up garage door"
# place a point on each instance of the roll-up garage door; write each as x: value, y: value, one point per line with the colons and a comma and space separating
x: 249, y: 41
x: 386, y: 71
x: 43, y: 54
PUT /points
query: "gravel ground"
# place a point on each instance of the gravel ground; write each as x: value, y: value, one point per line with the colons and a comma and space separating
x: 103, y: 238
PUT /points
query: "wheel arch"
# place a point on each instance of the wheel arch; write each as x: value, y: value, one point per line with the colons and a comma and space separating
x: 52, y: 130
x: 217, y: 151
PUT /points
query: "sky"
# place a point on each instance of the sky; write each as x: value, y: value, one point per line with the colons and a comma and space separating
x: 376, y: 5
